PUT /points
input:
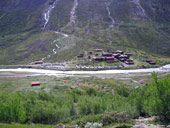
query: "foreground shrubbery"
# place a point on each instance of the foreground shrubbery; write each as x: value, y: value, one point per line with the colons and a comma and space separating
x: 158, y: 98
x: 106, y: 108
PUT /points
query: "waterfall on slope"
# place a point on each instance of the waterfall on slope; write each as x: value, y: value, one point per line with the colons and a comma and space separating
x: 140, y: 10
x: 109, y: 14
x: 73, y: 13
x: 48, y: 12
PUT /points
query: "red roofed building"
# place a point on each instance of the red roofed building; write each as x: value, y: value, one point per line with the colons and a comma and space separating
x: 148, y: 61
x: 38, y: 62
x: 35, y: 83
x: 129, y: 62
x: 99, y: 59
x: 151, y: 62
x: 118, y: 52
x: 110, y: 58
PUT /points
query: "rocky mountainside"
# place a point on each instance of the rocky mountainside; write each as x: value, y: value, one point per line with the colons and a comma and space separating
x: 58, y: 30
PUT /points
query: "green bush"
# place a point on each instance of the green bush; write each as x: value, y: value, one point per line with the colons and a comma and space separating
x: 158, y: 98
x: 104, y: 107
x: 12, y: 108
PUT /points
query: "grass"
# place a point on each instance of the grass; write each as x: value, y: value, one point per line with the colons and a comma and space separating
x: 52, y: 83
x: 59, y: 88
x: 15, y: 125
x: 108, y: 94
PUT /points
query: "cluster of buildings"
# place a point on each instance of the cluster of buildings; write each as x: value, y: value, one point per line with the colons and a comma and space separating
x: 112, y: 57
x: 98, y: 55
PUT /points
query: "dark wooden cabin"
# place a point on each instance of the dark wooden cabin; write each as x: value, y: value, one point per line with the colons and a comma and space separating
x: 151, y: 62
x: 107, y: 54
x: 90, y: 53
x: 112, y: 61
x: 80, y: 56
x: 129, y: 54
x: 129, y: 62
x: 123, y: 57
x: 116, y: 55
x: 148, y: 61
x: 99, y: 59
x: 38, y: 62
x: 98, y: 50
x: 119, y: 52
x: 110, y: 58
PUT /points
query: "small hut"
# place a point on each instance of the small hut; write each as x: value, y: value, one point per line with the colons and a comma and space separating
x: 151, y: 62
x: 118, y: 52
x: 98, y: 58
x: 80, y: 56
x: 35, y: 83
x: 129, y: 62
x: 98, y: 50
x: 38, y: 62
x: 107, y: 54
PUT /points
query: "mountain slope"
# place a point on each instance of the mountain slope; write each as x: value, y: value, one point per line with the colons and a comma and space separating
x: 52, y: 29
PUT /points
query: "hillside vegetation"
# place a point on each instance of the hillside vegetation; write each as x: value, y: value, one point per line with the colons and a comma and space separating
x: 92, y: 100
x: 138, y: 26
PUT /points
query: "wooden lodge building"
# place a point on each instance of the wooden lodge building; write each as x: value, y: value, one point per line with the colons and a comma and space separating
x: 98, y: 50
x: 38, y: 62
x: 111, y: 59
x: 80, y: 56
x: 107, y: 54
x: 118, y: 52
x: 151, y: 62
x: 99, y: 59
x: 129, y: 62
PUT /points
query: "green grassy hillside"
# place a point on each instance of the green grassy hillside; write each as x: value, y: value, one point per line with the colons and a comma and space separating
x: 140, y: 26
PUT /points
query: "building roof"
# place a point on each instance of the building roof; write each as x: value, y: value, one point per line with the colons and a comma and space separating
x: 98, y: 58
x: 107, y: 54
x: 35, y: 82
x: 38, y: 62
x: 110, y: 58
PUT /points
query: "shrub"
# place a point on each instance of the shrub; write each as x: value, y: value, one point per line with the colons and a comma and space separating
x: 158, y: 98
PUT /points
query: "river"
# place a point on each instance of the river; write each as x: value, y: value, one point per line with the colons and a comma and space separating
x: 163, y: 69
